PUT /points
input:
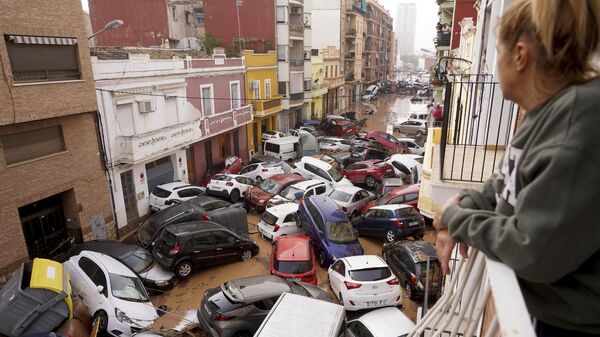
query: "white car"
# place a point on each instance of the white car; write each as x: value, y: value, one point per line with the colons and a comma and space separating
x: 232, y: 186
x: 272, y: 134
x: 334, y: 144
x: 279, y: 220
x: 364, y: 282
x: 111, y: 292
x: 165, y: 195
x: 384, y: 322
x: 412, y: 146
x: 406, y: 164
x: 297, y: 191
x: 265, y: 170
x: 351, y: 199
x: 412, y: 126
x: 313, y: 168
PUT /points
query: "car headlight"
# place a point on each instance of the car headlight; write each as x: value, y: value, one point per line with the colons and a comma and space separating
x: 161, y: 283
x: 121, y: 316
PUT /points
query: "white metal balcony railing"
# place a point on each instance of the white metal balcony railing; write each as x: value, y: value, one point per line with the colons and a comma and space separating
x: 481, y: 298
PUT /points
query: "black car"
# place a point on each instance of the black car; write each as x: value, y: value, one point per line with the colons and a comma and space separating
x: 189, y: 246
x: 198, y: 208
x: 140, y: 261
x: 361, y: 153
x: 408, y: 260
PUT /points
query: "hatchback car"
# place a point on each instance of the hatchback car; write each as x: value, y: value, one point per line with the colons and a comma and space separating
x: 185, y: 247
x: 406, y: 165
x: 140, y: 261
x: 258, y: 196
x: 391, y: 222
x: 383, y: 322
x: 199, y: 208
x: 266, y: 135
x: 344, y: 128
x: 332, y: 234
x: 333, y: 144
x: 311, y: 168
x: 279, y: 221
x: 364, y: 282
x: 264, y: 170
x: 405, y: 194
x: 351, y: 199
x: 412, y: 127
x: 165, y: 195
x: 360, y: 153
x: 388, y: 141
x: 231, y: 186
x: 232, y: 164
x: 412, y: 146
x: 369, y: 172
x: 238, y: 307
x: 111, y: 292
x: 292, y: 257
x: 297, y: 191
x: 408, y: 260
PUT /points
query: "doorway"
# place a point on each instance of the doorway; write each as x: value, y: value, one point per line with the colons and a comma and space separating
x: 128, y: 188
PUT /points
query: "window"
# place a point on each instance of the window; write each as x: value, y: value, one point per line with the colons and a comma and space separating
x: 91, y: 269
x: 35, y: 144
x: 326, y: 71
x: 255, y: 87
x: 234, y: 91
x: 202, y: 239
x: 412, y: 196
x: 282, y: 88
x: 236, y: 141
x: 267, y: 89
x: 174, y: 12
x: 281, y: 51
x: 43, y: 58
x: 336, y: 71
x: 281, y: 14
x: 314, y: 52
x: 199, y: 13
x: 339, y: 267
x: 208, y: 103
x: 248, y: 169
x: 358, y: 329
x: 290, y: 218
x: 188, y: 193
x: 223, y: 238
x: 307, y: 85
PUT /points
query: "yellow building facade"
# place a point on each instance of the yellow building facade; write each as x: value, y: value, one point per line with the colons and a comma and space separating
x: 261, y: 92
x: 319, y: 89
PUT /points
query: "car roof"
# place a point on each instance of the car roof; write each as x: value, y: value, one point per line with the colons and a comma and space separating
x: 110, y: 247
x: 306, y: 184
x: 183, y: 228
x: 285, y: 178
x: 255, y: 288
x: 283, y: 140
x: 392, y: 207
x: 364, y: 262
x: 173, y: 185
x: 387, y: 322
x: 316, y: 162
x: 283, y: 209
x: 405, y: 189
x: 392, y: 181
x: 293, y: 248
x: 328, y: 208
x: 348, y: 189
x: 110, y: 264
x: 418, y: 250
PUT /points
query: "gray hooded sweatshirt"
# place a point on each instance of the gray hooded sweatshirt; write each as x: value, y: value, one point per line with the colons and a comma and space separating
x: 538, y: 214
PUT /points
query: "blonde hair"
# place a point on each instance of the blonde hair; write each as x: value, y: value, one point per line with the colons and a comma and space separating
x: 565, y: 35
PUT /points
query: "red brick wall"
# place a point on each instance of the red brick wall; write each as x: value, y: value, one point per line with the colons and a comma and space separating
x: 463, y: 9
x: 257, y: 20
x: 146, y: 22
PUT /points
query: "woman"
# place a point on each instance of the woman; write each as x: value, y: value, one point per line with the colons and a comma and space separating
x: 537, y: 214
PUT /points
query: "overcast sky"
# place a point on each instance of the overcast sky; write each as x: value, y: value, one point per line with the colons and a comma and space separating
x: 426, y: 19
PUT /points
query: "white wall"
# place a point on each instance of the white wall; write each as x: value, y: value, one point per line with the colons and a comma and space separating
x: 326, y: 24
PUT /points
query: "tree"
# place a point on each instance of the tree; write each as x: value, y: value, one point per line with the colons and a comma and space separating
x: 210, y: 42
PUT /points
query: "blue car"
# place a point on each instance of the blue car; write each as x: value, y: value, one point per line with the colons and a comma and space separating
x: 330, y: 230
x: 391, y: 222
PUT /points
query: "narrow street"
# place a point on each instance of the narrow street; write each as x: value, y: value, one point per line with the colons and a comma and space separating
x: 185, y: 298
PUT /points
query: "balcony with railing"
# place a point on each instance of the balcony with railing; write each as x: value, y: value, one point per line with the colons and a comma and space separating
x: 265, y: 107
x: 443, y: 39
x: 297, y: 64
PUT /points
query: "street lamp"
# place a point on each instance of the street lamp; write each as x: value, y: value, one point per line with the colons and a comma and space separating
x: 109, y: 26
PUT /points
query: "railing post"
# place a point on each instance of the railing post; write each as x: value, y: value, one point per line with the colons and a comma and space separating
x: 445, y: 122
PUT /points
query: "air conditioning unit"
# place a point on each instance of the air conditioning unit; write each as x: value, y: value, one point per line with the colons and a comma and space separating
x: 146, y: 106
x: 296, y: 10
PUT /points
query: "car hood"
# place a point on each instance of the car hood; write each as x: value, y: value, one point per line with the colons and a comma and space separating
x: 157, y: 273
x: 258, y: 194
x: 343, y: 250
x: 344, y: 181
x: 141, y: 313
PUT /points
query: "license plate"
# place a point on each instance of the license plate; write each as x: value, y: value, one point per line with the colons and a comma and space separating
x: 374, y: 303
x: 413, y: 223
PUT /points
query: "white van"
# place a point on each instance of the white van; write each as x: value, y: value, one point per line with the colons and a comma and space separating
x: 284, y: 148
x: 371, y: 93
x: 302, y: 316
x: 313, y: 168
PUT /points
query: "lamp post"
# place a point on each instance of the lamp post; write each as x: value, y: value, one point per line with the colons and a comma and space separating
x: 109, y: 26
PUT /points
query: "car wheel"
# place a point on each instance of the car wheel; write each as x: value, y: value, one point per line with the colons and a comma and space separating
x: 370, y: 181
x: 354, y: 214
x: 102, y: 319
x: 419, y: 134
x: 321, y: 259
x: 408, y: 291
x: 184, y: 269
x: 390, y: 236
x: 246, y: 255
x: 234, y: 195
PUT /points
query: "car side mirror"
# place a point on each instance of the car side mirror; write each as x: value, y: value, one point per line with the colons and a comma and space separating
x: 100, y: 289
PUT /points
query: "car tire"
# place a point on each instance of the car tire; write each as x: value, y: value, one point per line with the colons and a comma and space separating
x: 246, y: 255
x: 103, y: 324
x: 354, y: 214
x: 184, y: 269
x: 234, y: 196
x: 321, y: 259
x: 370, y: 181
x: 408, y: 291
x: 419, y: 134
x: 390, y: 236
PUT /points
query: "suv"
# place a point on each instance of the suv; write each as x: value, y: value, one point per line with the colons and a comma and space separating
x: 238, y: 307
x: 297, y: 191
x: 408, y: 260
x: 332, y: 234
x: 188, y: 246
x: 165, y: 195
x: 312, y: 168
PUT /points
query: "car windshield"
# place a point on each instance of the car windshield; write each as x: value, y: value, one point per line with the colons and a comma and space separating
x: 370, y: 274
x: 340, y: 196
x: 222, y: 177
x: 290, y: 192
x: 270, y: 186
x: 139, y: 261
x: 161, y: 193
x: 406, y: 212
x: 268, y: 218
x: 341, y: 232
x: 385, y: 198
x: 127, y: 288
x: 292, y: 267
x: 335, y: 174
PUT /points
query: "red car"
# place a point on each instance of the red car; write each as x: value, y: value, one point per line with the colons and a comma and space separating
x: 369, y: 172
x: 257, y: 197
x: 407, y: 194
x: 344, y: 128
x: 293, y: 257
x: 388, y: 141
x: 232, y: 165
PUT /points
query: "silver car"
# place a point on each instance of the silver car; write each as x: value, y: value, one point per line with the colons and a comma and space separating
x: 413, y: 127
x: 238, y: 307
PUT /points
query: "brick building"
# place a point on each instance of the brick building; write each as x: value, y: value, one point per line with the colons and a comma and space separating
x: 54, y: 188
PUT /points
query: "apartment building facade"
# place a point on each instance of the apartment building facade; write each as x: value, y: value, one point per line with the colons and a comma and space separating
x: 353, y: 46
x: 378, y: 44
x: 55, y: 190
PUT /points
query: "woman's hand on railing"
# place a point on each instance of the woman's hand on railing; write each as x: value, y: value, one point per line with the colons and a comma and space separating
x: 444, y: 244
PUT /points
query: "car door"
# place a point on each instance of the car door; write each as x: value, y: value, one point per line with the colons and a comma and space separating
x: 360, y: 199
x: 226, y: 246
x: 337, y: 275
x: 367, y: 222
x: 202, y: 250
x: 91, y: 276
x: 353, y: 172
x: 258, y: 311
x: 249, y: 171
x: 244, y: 184
x: 318, y: 229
